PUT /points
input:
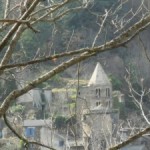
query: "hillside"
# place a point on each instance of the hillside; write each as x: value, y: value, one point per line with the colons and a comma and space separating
x: 78, y: 30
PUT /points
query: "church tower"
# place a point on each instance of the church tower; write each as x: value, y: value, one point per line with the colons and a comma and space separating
x: 94, y: 111
x: 98, y: 92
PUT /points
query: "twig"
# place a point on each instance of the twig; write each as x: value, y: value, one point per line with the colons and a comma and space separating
x: 144, y: 48
x: 30, y: 27
x: 7, y: 7
x: 100, y: 29
x: 39, y: 60
x: 11, y: 21
x: 8, y: 36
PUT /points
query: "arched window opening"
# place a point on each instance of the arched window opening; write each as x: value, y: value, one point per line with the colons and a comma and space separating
x: 107, y: 92
x: 98, y: 93
x: 98, y: 103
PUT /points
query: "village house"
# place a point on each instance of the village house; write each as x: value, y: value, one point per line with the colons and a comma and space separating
x: 41, y: 103
x: 43, y: 132
x: 37, y: 103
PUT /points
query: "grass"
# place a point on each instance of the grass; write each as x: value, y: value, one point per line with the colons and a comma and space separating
x: 57, y: 90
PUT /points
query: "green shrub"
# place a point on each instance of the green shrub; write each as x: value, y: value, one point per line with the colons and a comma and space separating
x: 17, y: 108
x: 72, y: 105
x: 116, y: 82
x: 60, y: 122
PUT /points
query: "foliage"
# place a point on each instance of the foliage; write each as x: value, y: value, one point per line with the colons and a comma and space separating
x: 55, y: 90
x: 56, y: 78
x: 116, y: 82
x: 32, y: 41
x: 21, y: 145
x: 1, y: 9
x: 9, y: 144
x: 133, y: 70
x: 71, y: 120
x: 103, y: 4
x: 60, y: 122
x: 84, y: 19
x: 72, y: 105
x: 7, y: 85
x: 130, y: 104
x: 56, y: 81
x: 73, y: 96
x: 120, y: 106
x: 17, y: 108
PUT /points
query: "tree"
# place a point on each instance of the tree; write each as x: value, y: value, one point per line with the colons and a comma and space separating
x: 60, y: 122
x: 126, y: 26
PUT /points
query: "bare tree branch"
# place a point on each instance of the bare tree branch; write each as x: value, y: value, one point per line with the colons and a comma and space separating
x: 52, y: 14
x: 12, y: 21
x: 118, y: 41
x: 144, y: 48
x: 131, y: 139
x: 100, y: 29
x: 8, y: 36
x: 138, y: 101
x: 47, y: 58
x: 7, y: 7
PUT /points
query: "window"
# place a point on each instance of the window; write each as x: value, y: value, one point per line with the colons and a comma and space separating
x: 1, y: 135
x: 98, y: 93
x: 61, y: 143
x: 107, y: 92
x: 65, y: 109
x: 98, y: 103
x: 84, y: 117
x: 34, y: 104
x: 31, y: 146
x: 103, y: 144
x: 30, y: 131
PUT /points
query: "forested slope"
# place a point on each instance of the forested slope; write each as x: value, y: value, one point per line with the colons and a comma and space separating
x: 77, y: 30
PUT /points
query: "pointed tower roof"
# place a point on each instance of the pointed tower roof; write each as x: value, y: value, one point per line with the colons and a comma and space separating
x: 99, y: 76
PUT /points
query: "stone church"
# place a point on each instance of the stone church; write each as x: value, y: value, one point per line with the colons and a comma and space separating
x: 97, y: 120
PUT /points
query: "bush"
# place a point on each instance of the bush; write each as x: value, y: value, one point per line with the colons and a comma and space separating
x: 116, y: 82
x: 120, y: 106
x: 17, y: 108
x: 60, y: 122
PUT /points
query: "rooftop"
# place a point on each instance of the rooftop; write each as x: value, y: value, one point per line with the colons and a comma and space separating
x: 35, y: 123
x: 99, y: 76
